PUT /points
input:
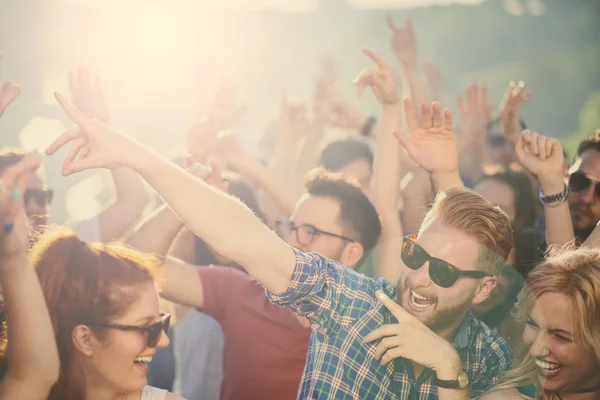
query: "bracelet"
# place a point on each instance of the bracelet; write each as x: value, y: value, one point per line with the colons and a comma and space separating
x: 554, y: 200
x: 368, y: 126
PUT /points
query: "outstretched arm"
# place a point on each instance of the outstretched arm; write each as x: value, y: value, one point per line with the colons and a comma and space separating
x: 205, y: 210
x: 33, y: 363
x: 386, y: 167
x: 543, y: 156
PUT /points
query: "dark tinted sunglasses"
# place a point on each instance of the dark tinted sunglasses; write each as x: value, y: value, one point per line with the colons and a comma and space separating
x: 441, y: 272
x: 41, y: 197
x: 154, y: 330
x: 578, y: 182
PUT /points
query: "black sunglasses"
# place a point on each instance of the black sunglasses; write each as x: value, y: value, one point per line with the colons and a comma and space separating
x: 496, y: 141
x: 304, y: 233
x: 154, y: 330
x: 41, y: 197
x: 578, y: 182
x: 441, y: 272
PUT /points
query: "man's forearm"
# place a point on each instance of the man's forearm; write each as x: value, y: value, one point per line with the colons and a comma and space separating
x: 559, y: 225
x: 156, y: 234
x: 446, y: 180
x: 223, y: 222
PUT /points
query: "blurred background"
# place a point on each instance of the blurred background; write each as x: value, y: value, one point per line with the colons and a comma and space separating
x: 160, y: 62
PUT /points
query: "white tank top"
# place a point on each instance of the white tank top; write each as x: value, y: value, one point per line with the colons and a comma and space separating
x: 152, y: 393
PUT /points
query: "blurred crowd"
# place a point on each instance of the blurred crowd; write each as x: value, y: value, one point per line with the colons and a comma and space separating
x: 425, y: 254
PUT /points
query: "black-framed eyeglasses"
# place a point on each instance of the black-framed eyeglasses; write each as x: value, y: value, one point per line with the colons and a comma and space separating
x: 41, y: 197
x: 153, y: 330
x: 305, y: 233
x: 579, y: 182
x: 441, y: 272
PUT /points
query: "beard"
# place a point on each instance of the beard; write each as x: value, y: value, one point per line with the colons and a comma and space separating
x: 442, y: 317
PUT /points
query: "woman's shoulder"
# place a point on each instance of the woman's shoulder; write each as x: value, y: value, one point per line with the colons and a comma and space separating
x: 152, y: 393
x: 504, y: 394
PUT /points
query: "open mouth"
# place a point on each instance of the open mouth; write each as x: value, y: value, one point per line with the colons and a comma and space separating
x: 142, y: 362
x: 548, y: 369
x: 419, y: 302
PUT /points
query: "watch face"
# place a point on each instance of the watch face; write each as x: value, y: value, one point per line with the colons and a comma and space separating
x: 463, y: 380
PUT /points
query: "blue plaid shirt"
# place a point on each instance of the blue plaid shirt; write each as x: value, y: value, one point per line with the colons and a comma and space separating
x: 342, y: 308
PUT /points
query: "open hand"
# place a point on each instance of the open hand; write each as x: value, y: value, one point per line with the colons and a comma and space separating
x: 411, y: 339
x: 432, y: 143
x: 542, y: 155
x: 88, y: 97
x: 514, y: 97
x: 93, y: 143
x: 474, y: 115
x: 8, y: 93
x: 403, y: 42
x: 14, y: 233
x: 380, y: 79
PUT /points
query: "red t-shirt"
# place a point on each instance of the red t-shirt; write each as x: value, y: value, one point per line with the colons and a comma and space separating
x: 265, y: 345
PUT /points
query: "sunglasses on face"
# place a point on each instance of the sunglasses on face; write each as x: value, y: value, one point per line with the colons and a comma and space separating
x: 153, y: 330
x: 578, y: 182
x: 496, y: 141
x: 41, y: 197
x: 441, y: 272
x: 305, y: 234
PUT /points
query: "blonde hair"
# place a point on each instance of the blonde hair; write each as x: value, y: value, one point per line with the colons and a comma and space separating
x: 469, y: 212
x: 576, y: 274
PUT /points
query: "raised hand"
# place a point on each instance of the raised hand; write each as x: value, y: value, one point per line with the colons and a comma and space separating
x: 514, y: 97
x: 293, y: 122
x: 432, y: 143
x: 8, y: 93
x: 88, y: 96
x: 93, y: 143
x: 411, y: 339
x: 380, y: 79
x: 474, y: 115
x: 435, y: 78
x: 225, y: 114
x: 403, y: 42
x: 542, y: 155
x: 14, y: 234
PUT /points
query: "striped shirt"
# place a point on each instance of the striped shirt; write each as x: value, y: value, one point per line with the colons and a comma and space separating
x: 342, y: 308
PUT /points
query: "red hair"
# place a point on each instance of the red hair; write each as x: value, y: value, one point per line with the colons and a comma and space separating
x: 85, y: 283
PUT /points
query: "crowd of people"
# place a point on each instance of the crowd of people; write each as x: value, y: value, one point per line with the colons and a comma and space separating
x: 424, y: 255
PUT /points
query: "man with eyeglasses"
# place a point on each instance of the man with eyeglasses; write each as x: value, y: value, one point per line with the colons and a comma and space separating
x: 265, y: 345
x: 423, y: 344
x: 584, y: 187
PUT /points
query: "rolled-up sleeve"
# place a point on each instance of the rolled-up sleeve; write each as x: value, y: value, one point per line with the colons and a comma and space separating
x: 326, y: 292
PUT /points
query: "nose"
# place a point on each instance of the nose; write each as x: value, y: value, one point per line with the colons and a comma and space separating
x: 539, y: 348
x: 420, y: 277
x: 588, y: 194
x: 164, y: 341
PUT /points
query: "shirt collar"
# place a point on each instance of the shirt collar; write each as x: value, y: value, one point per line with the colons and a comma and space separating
x: 461, y: 339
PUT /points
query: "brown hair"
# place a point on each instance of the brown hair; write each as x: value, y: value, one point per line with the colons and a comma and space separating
x: 85, y: 283
x: 469, y: 212
x: 10, y: 156
x: 575, y: 273
x: 358, y: 216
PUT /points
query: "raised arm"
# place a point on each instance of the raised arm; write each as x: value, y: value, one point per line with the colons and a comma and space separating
x: 386, y: 167
x: 33, y: 363
x: 130, y: 195
x: 432, y: 144
x: 224, y: 222
x: 543, y: 156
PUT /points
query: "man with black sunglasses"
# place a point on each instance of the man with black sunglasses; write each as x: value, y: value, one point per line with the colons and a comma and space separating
x: 353, y: 323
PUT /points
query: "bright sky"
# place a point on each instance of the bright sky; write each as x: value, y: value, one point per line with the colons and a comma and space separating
x: 289, y: 5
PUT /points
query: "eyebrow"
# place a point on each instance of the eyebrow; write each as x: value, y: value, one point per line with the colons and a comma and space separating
x: 550, y: 330
x: 146, y: 320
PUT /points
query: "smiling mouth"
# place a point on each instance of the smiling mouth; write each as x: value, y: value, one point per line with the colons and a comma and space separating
x: 548, y: 369
x: 142, y: 361
x: 420, y: 302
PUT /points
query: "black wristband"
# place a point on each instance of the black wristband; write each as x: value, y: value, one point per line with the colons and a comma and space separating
x: 554, y: 200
